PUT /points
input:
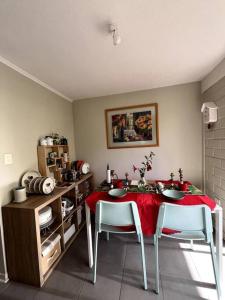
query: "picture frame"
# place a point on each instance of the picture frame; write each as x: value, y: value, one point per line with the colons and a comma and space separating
x: 132, y: 126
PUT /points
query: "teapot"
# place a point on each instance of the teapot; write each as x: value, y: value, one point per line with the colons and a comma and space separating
x: 43, y: 142
x: 49, y: 141
x: 114, y: 177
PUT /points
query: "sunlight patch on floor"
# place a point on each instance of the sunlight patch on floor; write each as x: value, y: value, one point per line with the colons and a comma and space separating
x: 203, y: 271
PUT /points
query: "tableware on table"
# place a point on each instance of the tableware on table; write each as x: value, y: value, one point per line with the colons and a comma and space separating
x: 114, y: 179
x: 117, y: 193
x: 114, y: 176
x: 119, y: 184
x: 160, y: 187
x: 134, y: 182
x: 194, y: 191
x: 173, y: 194
x: 108, y: 174
x: 183, y: 186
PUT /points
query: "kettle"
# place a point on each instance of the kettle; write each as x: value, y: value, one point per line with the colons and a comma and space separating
x: 114, y: 176
x: 49, y: 141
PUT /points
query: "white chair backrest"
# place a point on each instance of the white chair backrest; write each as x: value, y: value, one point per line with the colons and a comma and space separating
x: 185, y: 218
x: 117, y: 214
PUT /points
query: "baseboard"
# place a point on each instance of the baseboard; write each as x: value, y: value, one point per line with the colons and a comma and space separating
x: 4, y: 277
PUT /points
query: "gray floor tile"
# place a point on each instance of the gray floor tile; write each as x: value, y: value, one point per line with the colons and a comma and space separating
x: 178, y: 288
x: 133, y: 256
x: 175, y: 260
x: 18, y: 291
x: 108, y: 283
x: 132, y: 292
x: 112, y: 251
x: 132, y: 284
x: 61, y: 286
x: 3, y: 286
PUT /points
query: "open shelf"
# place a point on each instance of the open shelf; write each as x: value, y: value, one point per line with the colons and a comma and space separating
x: 67, y: 216
x: 67, y: 245
x: 23, y: 235
x: 44, y: 153
x: 54, y: 227
x: 73, y: 237
x: 51, y: 146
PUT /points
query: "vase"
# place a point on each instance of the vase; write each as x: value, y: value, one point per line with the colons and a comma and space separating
x: 142, y: 181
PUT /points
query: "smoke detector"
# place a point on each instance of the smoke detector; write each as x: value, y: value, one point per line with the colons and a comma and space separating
x: 115, y: 34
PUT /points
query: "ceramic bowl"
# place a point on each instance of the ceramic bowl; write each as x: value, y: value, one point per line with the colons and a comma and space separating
x: 173, y: 194
x: 117, y: 193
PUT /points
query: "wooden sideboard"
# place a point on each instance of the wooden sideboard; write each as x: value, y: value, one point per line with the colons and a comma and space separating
x: 24, y: 239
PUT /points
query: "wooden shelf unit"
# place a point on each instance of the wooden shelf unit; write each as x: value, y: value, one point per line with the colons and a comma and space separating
x: 43, y: 155
x: 23, y: 237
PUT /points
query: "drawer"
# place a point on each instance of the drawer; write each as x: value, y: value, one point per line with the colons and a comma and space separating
x: 50, y: 258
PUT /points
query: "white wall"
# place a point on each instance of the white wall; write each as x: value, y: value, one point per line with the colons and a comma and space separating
x: 217, y: 73
x: 179, y: 133
x: 27, y: 112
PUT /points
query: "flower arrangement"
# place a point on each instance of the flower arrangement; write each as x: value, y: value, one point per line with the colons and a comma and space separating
x: 147, y: 165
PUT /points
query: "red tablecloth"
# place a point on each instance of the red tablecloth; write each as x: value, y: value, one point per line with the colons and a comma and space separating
x: 148, y: 205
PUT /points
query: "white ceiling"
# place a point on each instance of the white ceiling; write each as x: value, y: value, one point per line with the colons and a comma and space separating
x: 66, y: 44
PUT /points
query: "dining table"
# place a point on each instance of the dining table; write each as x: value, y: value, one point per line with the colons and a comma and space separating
x: 148, y: 204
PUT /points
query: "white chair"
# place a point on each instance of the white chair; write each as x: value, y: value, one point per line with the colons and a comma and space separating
x: 193, y: 223
x: 110, y: 217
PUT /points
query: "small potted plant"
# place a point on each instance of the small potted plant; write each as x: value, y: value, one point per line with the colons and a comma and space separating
x: 147, y: 166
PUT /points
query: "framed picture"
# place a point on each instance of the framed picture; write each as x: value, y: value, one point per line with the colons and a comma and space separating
x: 132, y: 126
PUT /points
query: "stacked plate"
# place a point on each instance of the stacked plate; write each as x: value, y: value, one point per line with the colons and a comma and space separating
x: 37, y: 184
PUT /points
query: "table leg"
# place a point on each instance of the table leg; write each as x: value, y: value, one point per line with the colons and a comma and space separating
x: 89, y: 235
x: 219, y: 241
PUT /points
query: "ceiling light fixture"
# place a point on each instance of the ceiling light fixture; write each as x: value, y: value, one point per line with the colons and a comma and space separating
x: 115, y: 34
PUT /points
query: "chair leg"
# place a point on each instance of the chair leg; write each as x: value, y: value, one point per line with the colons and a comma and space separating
x: 192, y: 245
x: 139, y: 240
x: 95, y: 256
x: 215, y: 269
x: 156, y: 243
x: 107, y: 236
x: 140, y: 237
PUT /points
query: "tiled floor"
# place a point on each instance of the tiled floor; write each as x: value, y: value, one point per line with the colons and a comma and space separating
x: 184, y: 274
